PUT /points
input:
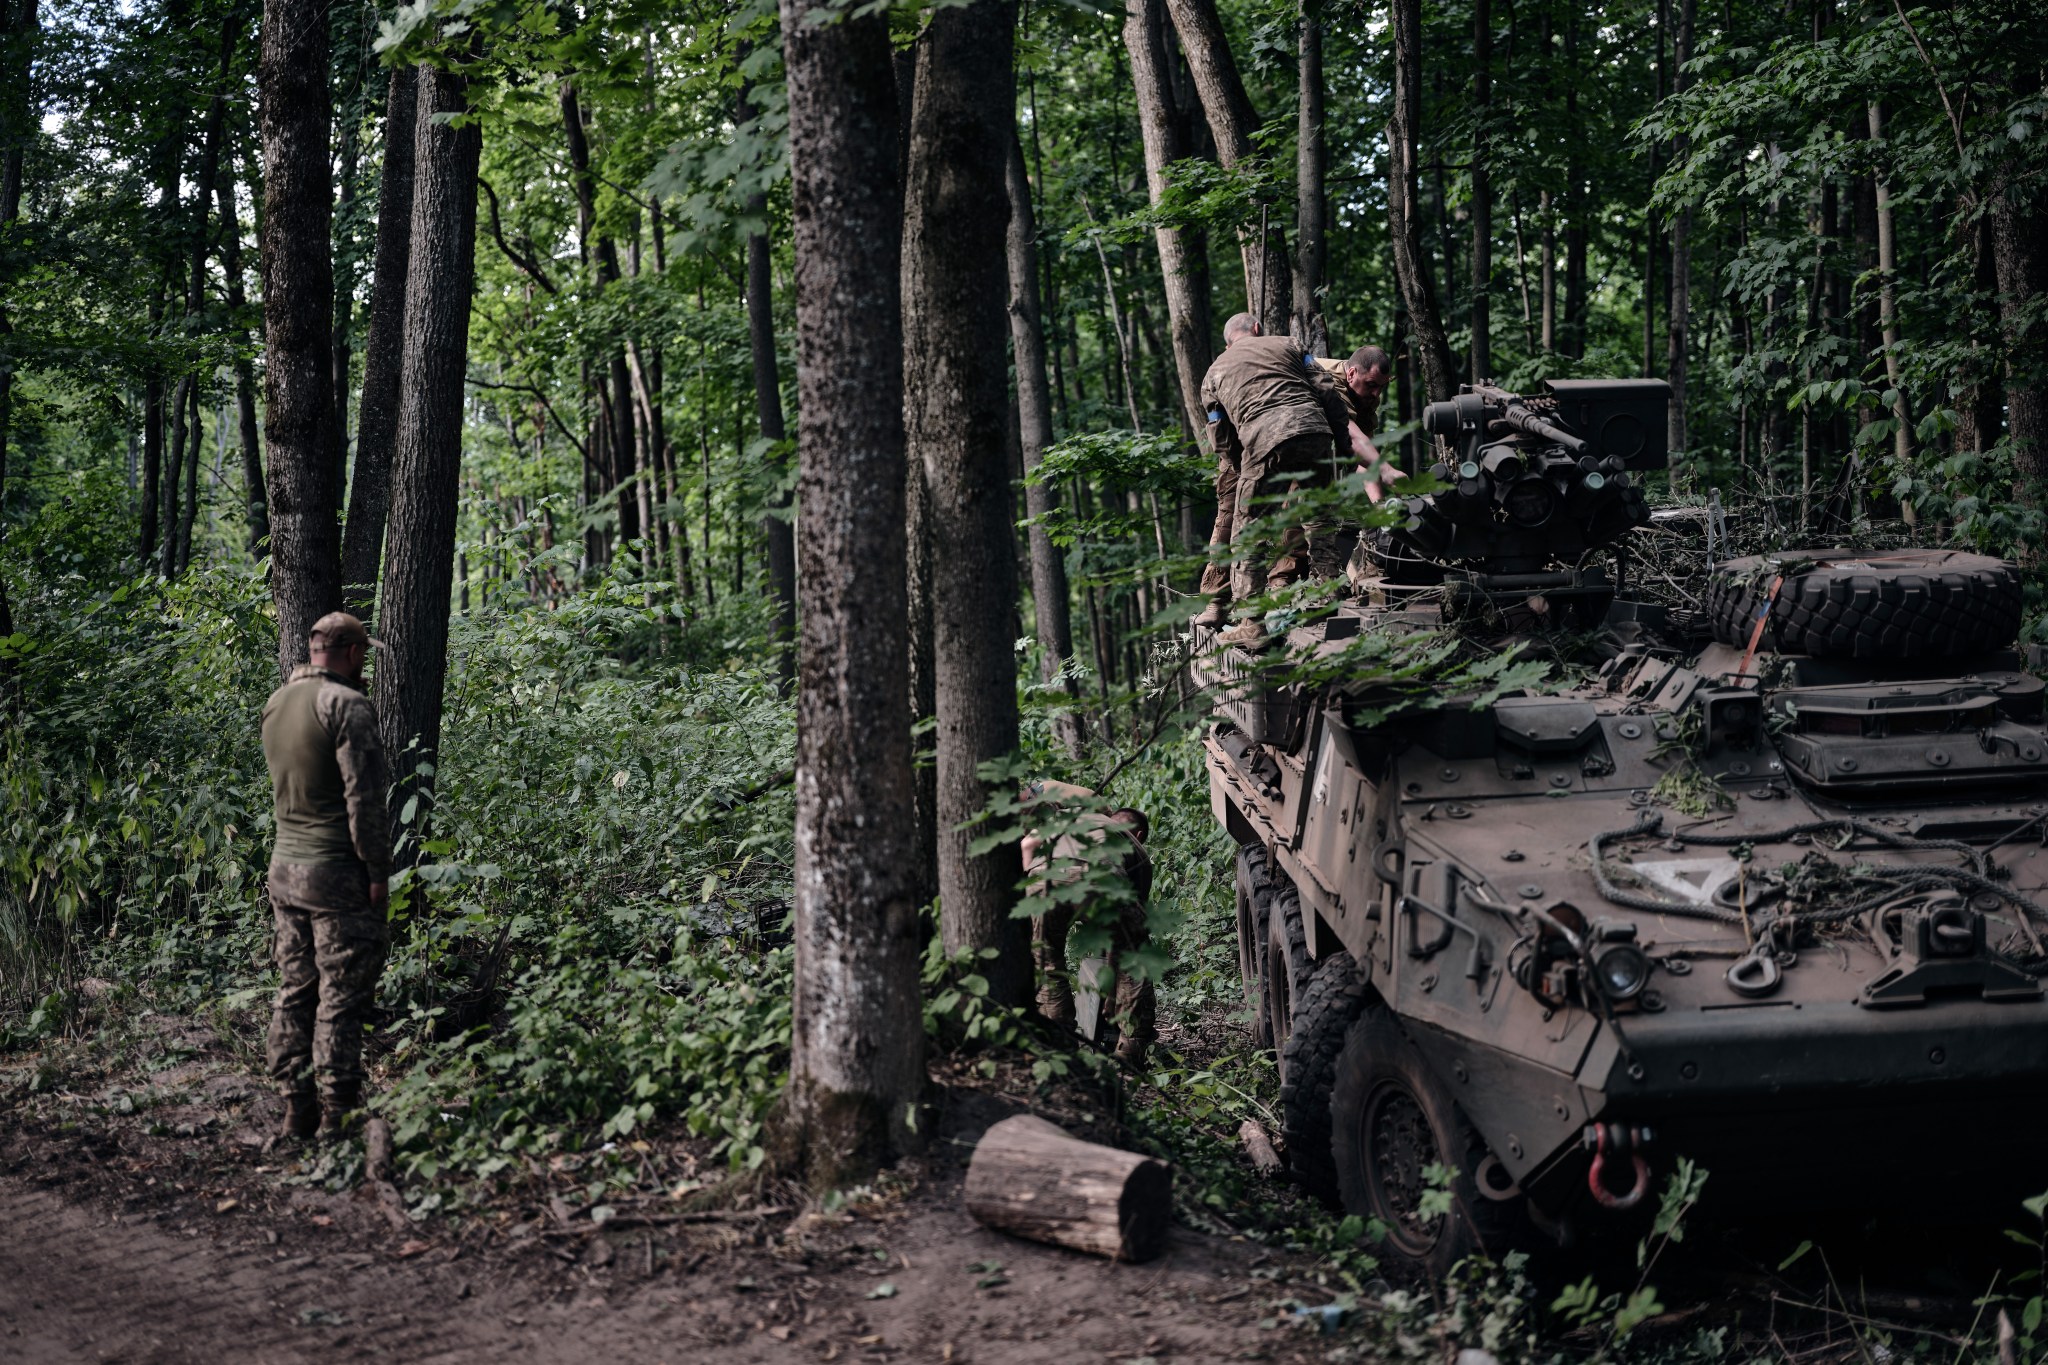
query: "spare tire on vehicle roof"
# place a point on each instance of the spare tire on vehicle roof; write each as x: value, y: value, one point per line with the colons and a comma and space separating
x: 1884, y: 604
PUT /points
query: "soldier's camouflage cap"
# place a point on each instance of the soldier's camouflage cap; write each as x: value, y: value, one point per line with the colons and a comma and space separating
x: 338, y: 629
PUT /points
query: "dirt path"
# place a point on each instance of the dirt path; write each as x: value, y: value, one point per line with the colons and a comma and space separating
x: 82, y: 1282
x: 142, y: 1220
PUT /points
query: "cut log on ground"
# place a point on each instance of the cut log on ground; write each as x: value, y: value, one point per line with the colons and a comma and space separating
x: 1030, y: 1178
x: 1258, y: 1146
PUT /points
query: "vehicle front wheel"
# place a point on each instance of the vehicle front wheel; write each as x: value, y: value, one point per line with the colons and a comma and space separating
x: 1391, y: 1121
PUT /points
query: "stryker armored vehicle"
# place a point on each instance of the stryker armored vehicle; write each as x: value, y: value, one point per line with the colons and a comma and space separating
x: 1761, y: 886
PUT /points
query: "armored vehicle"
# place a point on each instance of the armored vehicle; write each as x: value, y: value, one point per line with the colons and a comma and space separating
x: 1761, y: 886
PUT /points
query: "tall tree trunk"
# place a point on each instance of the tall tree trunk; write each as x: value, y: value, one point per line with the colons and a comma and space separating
x: 174, y: 469
x: 1425, y: 326
x: 343, y: 357
x: 256, y: 507
x: 776, y: 526
x: 1187, y: 293
x: 856, y: 1062
x: 1268, y: 283
x: 188, y: 514
x: 1549, y: 273
x: 1311, y: 165
x: 298, y: 287
x: 369, y: 494
x: 1888, y: 306
x: 962, y: 128
x: 1678, y: 317
x: 2019, y: 238
x: 1049, y: 595
x: 918, y: 584
x: 178, y: 547
x: 426, y: 465
x: 1574, y: 196
x: 1482, y: 192
x: 18, y: 126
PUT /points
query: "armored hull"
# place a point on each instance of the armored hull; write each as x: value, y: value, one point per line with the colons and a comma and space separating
x: 1492, y: 938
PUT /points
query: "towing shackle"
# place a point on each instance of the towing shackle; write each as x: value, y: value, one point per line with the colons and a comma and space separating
x: 1617, y: 1140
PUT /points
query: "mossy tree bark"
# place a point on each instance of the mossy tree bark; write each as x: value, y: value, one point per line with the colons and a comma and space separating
x: 369, y: 497
x: 419, y: 564
x: 955, y: 415
x: 857, y: 1047
x: 298, y: 293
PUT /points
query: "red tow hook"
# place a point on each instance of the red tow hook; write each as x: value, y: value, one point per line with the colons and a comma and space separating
x: 1614, y: 1139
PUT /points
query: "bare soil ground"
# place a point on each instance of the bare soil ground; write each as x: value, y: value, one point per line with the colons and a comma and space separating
x: 145, y: 1221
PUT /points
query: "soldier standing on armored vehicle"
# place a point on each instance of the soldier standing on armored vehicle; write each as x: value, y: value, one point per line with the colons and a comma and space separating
x: 328, y: 876
x: 1272, y: 410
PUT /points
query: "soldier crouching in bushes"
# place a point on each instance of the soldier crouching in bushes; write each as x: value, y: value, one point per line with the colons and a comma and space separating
x: 1128, y: 890
x: 329, y: 874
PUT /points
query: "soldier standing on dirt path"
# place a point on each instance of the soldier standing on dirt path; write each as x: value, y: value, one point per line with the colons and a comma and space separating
x: 328, y: 876
x: 1272, y: 409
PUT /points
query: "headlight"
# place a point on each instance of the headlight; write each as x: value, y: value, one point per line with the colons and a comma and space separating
x: 1621, y: 970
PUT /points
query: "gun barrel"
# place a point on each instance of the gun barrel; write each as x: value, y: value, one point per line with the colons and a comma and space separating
x: 1529, y: 424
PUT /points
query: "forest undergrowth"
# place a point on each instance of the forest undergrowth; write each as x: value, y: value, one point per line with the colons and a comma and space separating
x: 591, y: 942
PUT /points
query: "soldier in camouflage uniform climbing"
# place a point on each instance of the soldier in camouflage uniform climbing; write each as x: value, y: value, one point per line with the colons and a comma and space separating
x: 328, y: 876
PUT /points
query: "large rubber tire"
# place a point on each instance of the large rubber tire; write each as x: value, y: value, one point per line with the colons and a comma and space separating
x: 1325, y: 1009
x: 1287, y: 968
x: 1888, y: 605
x: 1254, y: 908
x: 1391, y: 1119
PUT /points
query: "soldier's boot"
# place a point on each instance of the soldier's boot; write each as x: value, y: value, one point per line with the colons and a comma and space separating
x: 339, y: 1106
x: 1247, y: 634
x: 1216, y: 583
x: 301, y: 1118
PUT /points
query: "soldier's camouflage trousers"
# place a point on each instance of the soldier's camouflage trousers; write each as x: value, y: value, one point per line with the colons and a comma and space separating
x: 1263, y: 559
x: 1135, y: 1000
x: 330, y: 951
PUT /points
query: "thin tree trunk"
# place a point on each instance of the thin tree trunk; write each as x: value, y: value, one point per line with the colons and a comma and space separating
x: 188, y: 514
x: 18, y: 31
x: 298, y: 285
x: 856, y: 1063
x: 962, y: 128
x: 1268, y: 283
x: 1425, y: 326
x: 427, y: 458
x: 1549, y: 287
x: 369, y: 497
x: 1187, y: 293
x: 169, y: 175
x: 174, y: 469
x: 1888, y: 306
x: 2021, y: 259
x: 1482, y: 193
x: 1049, y: 594
x: 256, y: 507
x: 178, y: 546
x: 1311, y: 165
x: 1678, y: 316
x: 776, y: 526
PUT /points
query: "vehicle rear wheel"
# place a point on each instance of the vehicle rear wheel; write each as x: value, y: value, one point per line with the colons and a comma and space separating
x: 1392, y: 1120
x: 1888, y: 604
x: 1323, y: 1014
x: 1254, y: 907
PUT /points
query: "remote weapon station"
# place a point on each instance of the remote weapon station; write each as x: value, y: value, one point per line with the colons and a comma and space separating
x: 1491, y: 937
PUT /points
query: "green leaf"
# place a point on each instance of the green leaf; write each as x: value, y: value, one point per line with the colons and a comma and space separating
x: 1797, y: 1252
x: 884, y: 1290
